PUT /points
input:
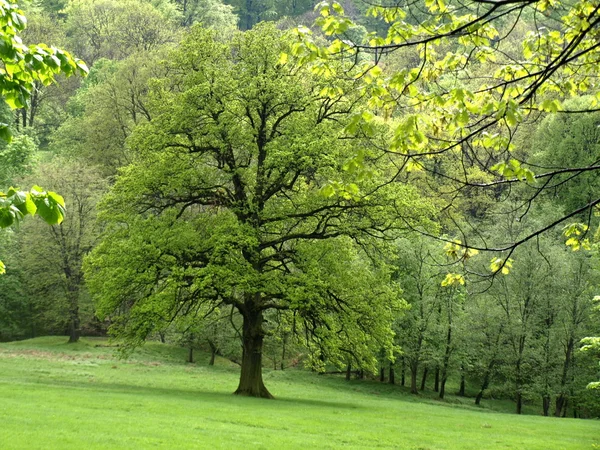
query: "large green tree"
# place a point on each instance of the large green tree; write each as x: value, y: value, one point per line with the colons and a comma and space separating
x: 229, y: 202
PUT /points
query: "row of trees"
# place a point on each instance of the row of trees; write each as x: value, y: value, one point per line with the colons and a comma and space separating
x: 269, y: 197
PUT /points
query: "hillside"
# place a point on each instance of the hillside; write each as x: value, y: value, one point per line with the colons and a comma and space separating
x: 63, y: 396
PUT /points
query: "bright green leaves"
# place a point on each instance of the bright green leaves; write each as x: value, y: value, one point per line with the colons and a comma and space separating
x: 50, y: 206
x: 456, y: 250
x: 14, y: 205
x: 22, y: 65
x: 453, y: 279
x: 332, y: 20
x: 575, y: 233
x: 513, y: 169
x: 501, y: 265
x: 347, y: 191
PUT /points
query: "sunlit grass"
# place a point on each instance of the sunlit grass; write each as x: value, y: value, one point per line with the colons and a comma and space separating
x: 55, y: 395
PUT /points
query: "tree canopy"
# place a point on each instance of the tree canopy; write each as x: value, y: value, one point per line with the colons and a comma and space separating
x: 224, y: 205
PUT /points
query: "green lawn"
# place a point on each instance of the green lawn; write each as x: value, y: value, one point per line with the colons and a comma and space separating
x: 58, y: 396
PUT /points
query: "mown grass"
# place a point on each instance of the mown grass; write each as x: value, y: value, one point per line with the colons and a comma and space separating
x: 55, y: 395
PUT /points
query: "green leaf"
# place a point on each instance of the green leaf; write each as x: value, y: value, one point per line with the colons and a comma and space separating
x: 6, y: 217
x: 5, y: 133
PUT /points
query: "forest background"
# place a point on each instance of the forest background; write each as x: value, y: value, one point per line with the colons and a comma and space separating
x: 368, y: 259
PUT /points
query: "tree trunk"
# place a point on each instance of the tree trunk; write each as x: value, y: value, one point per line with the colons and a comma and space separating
x: 348, y: 372
x: 546, y: 404
x: 519, y: 384
x: 283, y: 348
x: 561, y: 402
x: 446, y: 362
x: 436, y: 385
x: 382, y: 374
x: 391, y: 378
x: 74, y: 322
x: 424, y: 378
x: 486, y: 381
x: 461, y: 390
x: 191, y: 355
x: 213, y: 352
x: 403, y: 373
x: 413, y: 379
x: 72, y: 291
x: 74, y: 329
x: 251, y: 381
x: 443, y: 385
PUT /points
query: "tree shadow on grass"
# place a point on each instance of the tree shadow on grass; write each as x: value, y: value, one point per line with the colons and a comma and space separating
x: 191, y: 394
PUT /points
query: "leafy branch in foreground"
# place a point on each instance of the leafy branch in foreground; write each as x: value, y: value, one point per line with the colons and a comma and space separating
x: 473, y: 74
x: 15, y: 205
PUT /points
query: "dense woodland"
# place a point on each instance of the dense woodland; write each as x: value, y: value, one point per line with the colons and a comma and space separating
x: 373, y: 193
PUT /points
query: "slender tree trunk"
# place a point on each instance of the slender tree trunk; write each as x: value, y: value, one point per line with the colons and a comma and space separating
x: 424, y: 378
x: 413, y: 378
x: 436, y: 383
x: 191, y: 355
x: 283, y: 348
x: 561, y: 400
x: 348, y: 371
x: 382, y: 375
x: 251, y: 381
x: 519, y: 402
x: 213, y: 352
x: 443, y: 384
x: 403, y: 373
x: 74, y: 321
x: 446, y: 362
x: 486, y: 381
x: 461, y: 390
x: 391, y: 377
x: 161, y: 336
x: 361, y: 374
x: 546, y: 404
x: 518, y: 376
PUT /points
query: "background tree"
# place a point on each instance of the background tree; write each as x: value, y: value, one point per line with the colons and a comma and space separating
x: 53, y: 256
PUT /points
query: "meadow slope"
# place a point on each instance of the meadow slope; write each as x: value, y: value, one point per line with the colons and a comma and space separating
x: 59, y: 396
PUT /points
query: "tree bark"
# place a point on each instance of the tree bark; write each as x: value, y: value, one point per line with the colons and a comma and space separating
x: 283, y: 351
x: 519, y: 402
x: 391, y: 378
x: 443, y: 386
x: 348, y: 372
x: 486, y: 381
x: 413, y: 379
x: 461, y: 390
x: 424, y: 378
x: 74, y: 321
x: 213, y: 353
x: 561, y: 399
x: 191, y: 355
x: 561, y: 403
x: 382, y: 374
x: 251, y: 381
x: 436, y: 384
x: 546, y: 404
x: 403, y: 373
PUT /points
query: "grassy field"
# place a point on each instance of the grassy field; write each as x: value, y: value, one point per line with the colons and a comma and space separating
x: 59, y: 396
